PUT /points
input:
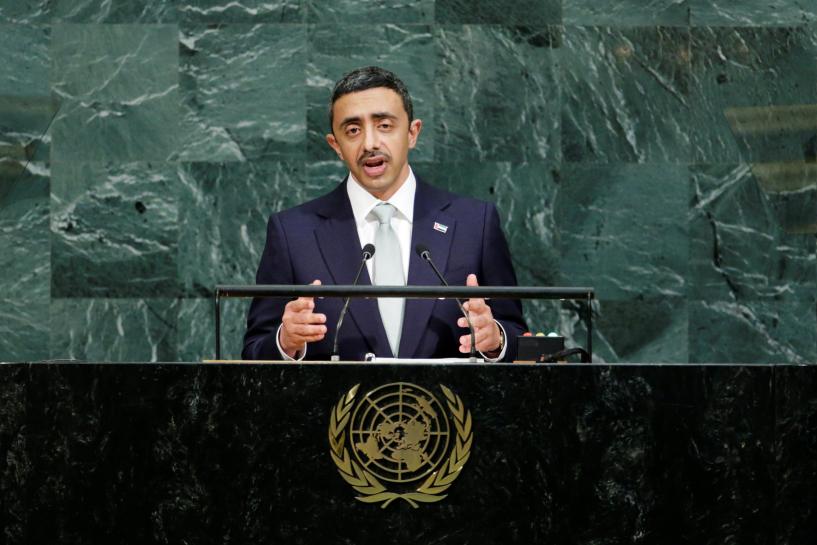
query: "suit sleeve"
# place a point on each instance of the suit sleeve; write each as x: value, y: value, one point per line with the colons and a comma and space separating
x: 265, y: 314
x: 497, y: 270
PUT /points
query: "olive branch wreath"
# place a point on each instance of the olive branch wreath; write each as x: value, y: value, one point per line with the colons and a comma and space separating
x: 371, y: 490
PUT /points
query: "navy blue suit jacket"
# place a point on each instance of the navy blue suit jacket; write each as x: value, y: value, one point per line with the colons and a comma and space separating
x: 319, y: 240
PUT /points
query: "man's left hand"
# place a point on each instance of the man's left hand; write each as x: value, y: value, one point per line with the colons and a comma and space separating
x: 486, y: 330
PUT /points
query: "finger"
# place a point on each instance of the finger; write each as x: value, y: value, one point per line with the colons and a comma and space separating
x: 476, y: 305
x: 486, y: 340
x: 482, y: 321
x: 478, y: 321
x: 317, y: 282
x: 307, y: 317
x: 303, y: 330
x: 300, y: 304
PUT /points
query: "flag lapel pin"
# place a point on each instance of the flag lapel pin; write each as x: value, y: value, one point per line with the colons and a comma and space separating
x: 440, y: 227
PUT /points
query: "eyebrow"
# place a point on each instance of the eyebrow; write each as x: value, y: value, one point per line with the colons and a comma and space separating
x: 376, y: 115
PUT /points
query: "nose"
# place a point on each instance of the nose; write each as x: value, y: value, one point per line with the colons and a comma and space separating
x: 372, y: 141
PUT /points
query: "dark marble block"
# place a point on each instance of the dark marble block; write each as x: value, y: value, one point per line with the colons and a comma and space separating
x: 497, y: 93
x: 114, y: 230
x: 113, y: 329
x: 242, y: 87
x: 561, y: 454
x: 751, y: 88
x: 223, y: 213
x: 519, y: 12
x: 371, y: 11
x: 246, y: 11
x: 26, y: 107
x: 752, y: 12
x: 753, y: 331
x: 24, y: 261
x: 623, y: 229
x: 626, y: 95
x: 627, y: 12
x: 738, y: 242
x: 123, y: 106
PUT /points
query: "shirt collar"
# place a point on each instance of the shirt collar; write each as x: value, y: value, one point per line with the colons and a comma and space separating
x: 363, y: 202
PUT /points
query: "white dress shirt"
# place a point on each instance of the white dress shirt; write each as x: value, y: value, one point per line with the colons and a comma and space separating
x: 363, y: 203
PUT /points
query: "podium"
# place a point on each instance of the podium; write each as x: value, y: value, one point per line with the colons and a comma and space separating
x: 242, y: 453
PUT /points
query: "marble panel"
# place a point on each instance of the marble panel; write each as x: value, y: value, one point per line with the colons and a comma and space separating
x: 26, y: 11
x: 245, y: 11
x: 796, y: 461
x: 371, y: 11
x: 24, y: 327
x: 753, y: 332
x: 223, y: 213
x: 26, y: 109
x: 118, y: 87
x: 622, y: 228
x: 196, y: 326
x: 627, y: 12
x: 243, y: 94
x: 25, y: 262
x: 335, y: 50
x: 497, y: 93
x: 738, y: 247
x: 751, y: 13
x: 519, y: 12
x: 115, y: 11
x: 114, y: 230
x: 626, y: 95
x: 752, y: 97
x: 24, y: 230
x: 114, y: 330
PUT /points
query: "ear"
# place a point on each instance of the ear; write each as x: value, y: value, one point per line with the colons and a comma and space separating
x: 333, y: 143
x: 414, y: 132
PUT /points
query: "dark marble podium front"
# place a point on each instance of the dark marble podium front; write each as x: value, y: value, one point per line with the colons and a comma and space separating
x: 221, y: 453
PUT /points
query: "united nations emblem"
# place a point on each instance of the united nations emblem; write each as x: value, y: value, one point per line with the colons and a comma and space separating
x: 401, y: 435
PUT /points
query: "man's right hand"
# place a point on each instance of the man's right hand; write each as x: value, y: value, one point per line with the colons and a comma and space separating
x: 300, y: 325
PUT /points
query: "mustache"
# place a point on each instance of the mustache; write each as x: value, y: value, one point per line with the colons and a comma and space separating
x: 373, y: 155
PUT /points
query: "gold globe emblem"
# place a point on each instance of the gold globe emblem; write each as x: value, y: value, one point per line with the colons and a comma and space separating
x: 400, y: 433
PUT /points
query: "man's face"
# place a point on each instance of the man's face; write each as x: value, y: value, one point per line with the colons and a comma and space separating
x: 371, y: 133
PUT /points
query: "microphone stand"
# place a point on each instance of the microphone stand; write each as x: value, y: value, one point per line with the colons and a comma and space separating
x: 368, y: 252
x: 425, y: 254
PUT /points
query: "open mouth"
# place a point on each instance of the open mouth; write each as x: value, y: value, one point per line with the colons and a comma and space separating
x: 374, y: 166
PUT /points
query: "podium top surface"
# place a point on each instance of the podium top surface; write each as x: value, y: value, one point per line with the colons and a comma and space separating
x: 420, y: 362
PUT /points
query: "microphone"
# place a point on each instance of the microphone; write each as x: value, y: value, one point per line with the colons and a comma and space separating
x: 368, y: 252
x: 425, y: 254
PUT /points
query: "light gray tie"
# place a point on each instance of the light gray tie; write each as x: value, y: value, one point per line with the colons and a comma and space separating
x: 388, y: 271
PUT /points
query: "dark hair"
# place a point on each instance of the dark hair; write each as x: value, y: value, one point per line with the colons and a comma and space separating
x: 371, y: 77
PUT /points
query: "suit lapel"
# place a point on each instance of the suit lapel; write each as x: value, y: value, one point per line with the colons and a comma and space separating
x: 429, y: 208
x: 340, y: 247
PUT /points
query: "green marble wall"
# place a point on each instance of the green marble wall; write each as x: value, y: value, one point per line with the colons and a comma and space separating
x: 663, y: 151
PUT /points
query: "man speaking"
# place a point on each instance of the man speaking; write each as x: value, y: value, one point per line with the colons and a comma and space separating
x: 382, y: 208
